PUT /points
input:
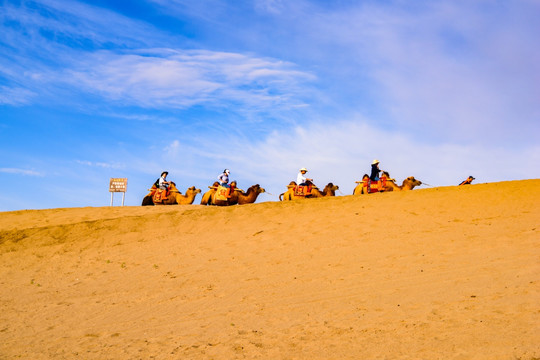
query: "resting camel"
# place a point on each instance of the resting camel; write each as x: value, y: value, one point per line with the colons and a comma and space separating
x: 237, y: 197
x: 360, y: 189
x: 175, y: 196
x: 408, y: 184
x: 241, y: 198
x: 207, y: 196
x: 329, y: 190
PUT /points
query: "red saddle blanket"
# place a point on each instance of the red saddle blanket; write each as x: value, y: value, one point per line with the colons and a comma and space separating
x: 302, y: 190
x: 223, y: 193
x: 375, y: 186
x: 159, y: 196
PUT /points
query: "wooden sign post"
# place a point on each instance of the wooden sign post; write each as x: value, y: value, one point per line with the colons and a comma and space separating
x: 118, y: 185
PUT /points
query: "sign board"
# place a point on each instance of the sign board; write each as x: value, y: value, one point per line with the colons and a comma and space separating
x: 118, y: 185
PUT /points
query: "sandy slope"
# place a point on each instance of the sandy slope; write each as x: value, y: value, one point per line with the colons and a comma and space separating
x: 442, y: 273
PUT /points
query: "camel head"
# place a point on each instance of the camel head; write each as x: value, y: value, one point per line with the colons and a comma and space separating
x: 410, y: 183
x: 257, y: 188
x: 413, y: 181
x: 331, y: 187
x: 194, y: 189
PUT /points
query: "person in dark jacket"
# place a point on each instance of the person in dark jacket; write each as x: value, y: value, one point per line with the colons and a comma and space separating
x: 375, y: 170
x: 468, y: 181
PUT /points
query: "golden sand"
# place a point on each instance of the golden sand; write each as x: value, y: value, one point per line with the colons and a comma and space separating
x: 439, y: 273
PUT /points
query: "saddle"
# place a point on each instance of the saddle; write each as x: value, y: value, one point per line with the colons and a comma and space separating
x: 159, y: 196
x: 302, y: 190
x: 223, y: 193
x: 374, y: 186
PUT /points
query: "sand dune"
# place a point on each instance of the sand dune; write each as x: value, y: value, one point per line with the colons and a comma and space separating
x: 440, y: 273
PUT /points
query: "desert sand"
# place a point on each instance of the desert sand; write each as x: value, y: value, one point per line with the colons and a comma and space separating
x: 433, y: 273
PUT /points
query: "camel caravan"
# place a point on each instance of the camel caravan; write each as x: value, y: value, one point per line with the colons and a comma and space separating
x: 223, y: 193
x: 385, y: 183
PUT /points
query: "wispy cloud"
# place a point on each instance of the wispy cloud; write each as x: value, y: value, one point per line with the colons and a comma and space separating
x: 179, y: 79
x: 15, y: 96
x: 101, y: 164
x: 24, y: 172
x: 80, y: 49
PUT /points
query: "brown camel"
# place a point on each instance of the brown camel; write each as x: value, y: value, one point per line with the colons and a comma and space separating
x: 329, y: 190
x: 238, y: 196
x: 408, y: 184
x: 390, y: 184
x: 361, y: 188
x: 175, y: 196
x: 207, y: 196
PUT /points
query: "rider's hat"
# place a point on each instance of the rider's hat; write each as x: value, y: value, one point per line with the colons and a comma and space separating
x: 227, y: 171
x: 165, y: 172
x: 303, y: 169
x: 471, y: 177
x: 374, y: 162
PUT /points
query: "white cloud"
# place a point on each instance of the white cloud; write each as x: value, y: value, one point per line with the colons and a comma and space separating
x: 180, y: 79
x: 24, y: 172
x: 101, y: 164
x: 15, y: 96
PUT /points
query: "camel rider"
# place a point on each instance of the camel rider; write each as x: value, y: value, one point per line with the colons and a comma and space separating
x: 375, y: 170
x: 468, y: 181
x: 224, y: 178
x: 301, y: 178
x: 162, y: 183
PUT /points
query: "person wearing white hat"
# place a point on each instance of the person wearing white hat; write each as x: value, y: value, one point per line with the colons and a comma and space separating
x: 224, y: 178
x: 301, y: 177
x: 375, y: 170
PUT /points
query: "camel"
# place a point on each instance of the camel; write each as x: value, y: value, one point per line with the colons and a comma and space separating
x: 238, y: 196
x: 408, y: 184
x: 390, y: 184
x: 207, y: 196
x: 360, y: 189
x: 241, y: 198
x: 329, y: 190
x: 175, y: 196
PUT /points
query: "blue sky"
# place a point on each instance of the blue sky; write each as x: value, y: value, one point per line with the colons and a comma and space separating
x: 91, y: 90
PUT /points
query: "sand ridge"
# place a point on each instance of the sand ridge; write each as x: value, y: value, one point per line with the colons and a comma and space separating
x: 439, y: 273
